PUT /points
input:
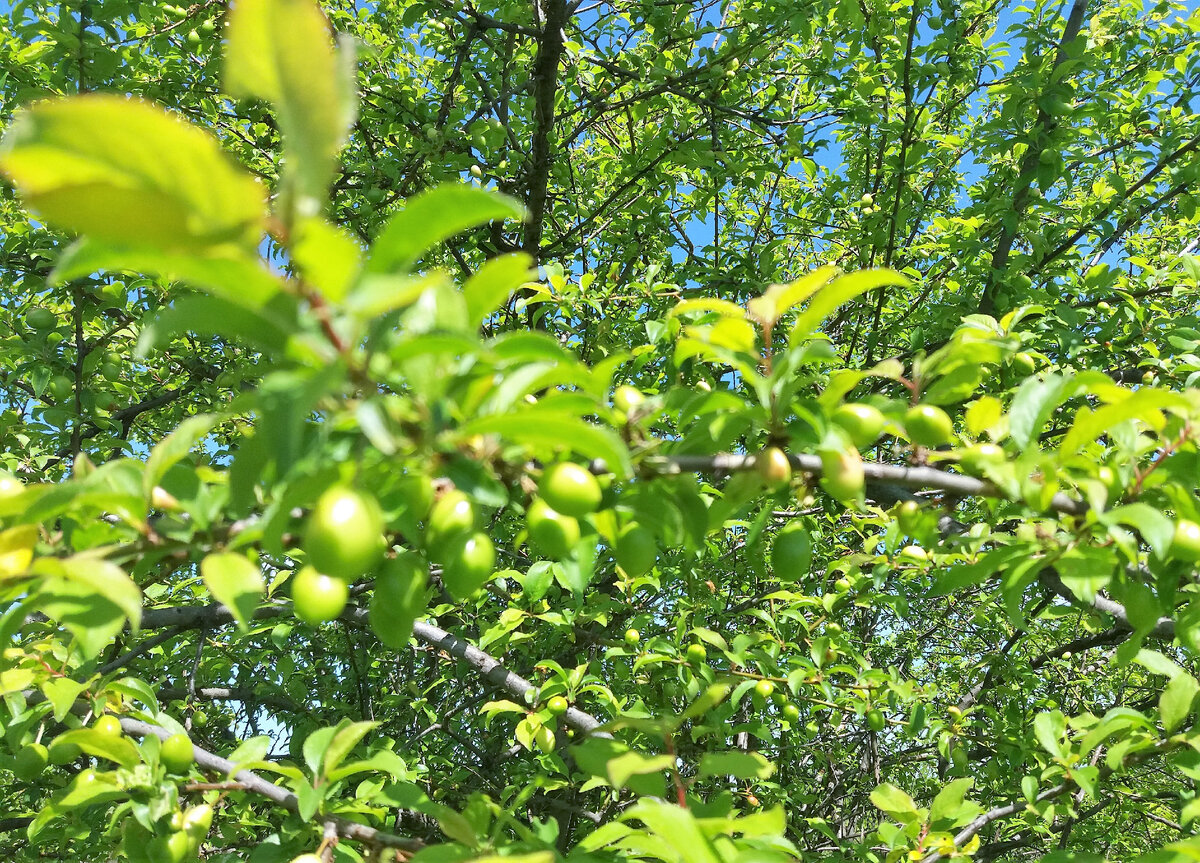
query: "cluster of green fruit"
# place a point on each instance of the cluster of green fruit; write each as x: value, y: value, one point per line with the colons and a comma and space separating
x: 344, y: 540
x: 567, y: 493
x: 177, y: 840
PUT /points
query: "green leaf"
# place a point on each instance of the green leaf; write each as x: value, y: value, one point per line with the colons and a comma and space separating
x: 1049, y: 729
x: 235, y: 582
x: 87, y: 788
x: 328, y: 257
x: 431, y: 217
x: 118, y: 749
x: 1035, y: 400
x: 62, y: 693
x: 1145, y: 405
x: 281, y: 51
x: 622, y: 767
x: 895, y: 802
x: 826, y: 300
x: 1175, y: 703
x: 742, y: 765
x: 90, y: 596
x: 949, y: 805
x: 548, y: 430
x: 494, y: 282
x: 1154, y: 525
x: 676, y: 825
x: 237, y: 272
x: 174, y: 447
x: 126, y: 172
x: 315, y: 746
x: 347, y: 737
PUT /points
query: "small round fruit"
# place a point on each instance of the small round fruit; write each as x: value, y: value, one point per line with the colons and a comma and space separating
x: 1185, y: 545
x: 62, y: 751
x: 40, y: 319
x: 842, y: 585
x: 452, y: 516
x: 914, y: 552
x: 62, y: 387
x: 862, y: 423
x: 29, y: 763
x: 635, y: 550
x: 193, y: 39
x: 928, y: 425
x: 199, y: 718
x: 554, y: 533
x: 544, y: 738
x: 875, y: 720
x: 1024, y: 362
x: 697, y: 654
x: 977, y: 458
x: 175, y: 847
x: 763, y: 689
x: 9, y: 485
x: 317, y: 597
x: 626, y: 399
x: 108, y: 725
x: 906, y: 515
x: 570, y: 489
x: 557, y: 705
x: 842, y: 474
x: 197, y: 821
x: 791, y: 553
x: 791, y: 712
x: 344, y: 536
x: 308, y: 858
x: 632, y: 637
x: 177, y: 753
x: 773, y: 467
x: 467, y: 565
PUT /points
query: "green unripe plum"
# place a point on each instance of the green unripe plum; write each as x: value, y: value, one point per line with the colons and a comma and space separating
x: 9, y: 485
x: 344, y: 535
x: 977, y: 458
x: 468, y: 564
x: 842, y: 474
x: 862, y: 423
x: 906, y: 515
x: 197, y: 821
x: 773, y: 467
x: 557, y: 705
x: 764, y: 689
x: 62, y: 752
x: 928, y: 425
x: 40, y: 319
x: 452, y: 516
x: 626, y: 399
x: 29, y: 763
x: 632, y: 637
x: 875, y: 720
x: 1185, y: 544
x: 107, y: 725
x: 554, y: 533
x: 570, y: 489
x: 791, y: 553
x: 635, y: 550
x: 697, y: 654
x: 544, y: 738
x: 791, y: 712
x: 1024, y: 362
x: 317, y: 597
x: 177, y: 753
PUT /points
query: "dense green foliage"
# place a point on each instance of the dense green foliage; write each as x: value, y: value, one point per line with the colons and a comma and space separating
x: 599, y: 431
